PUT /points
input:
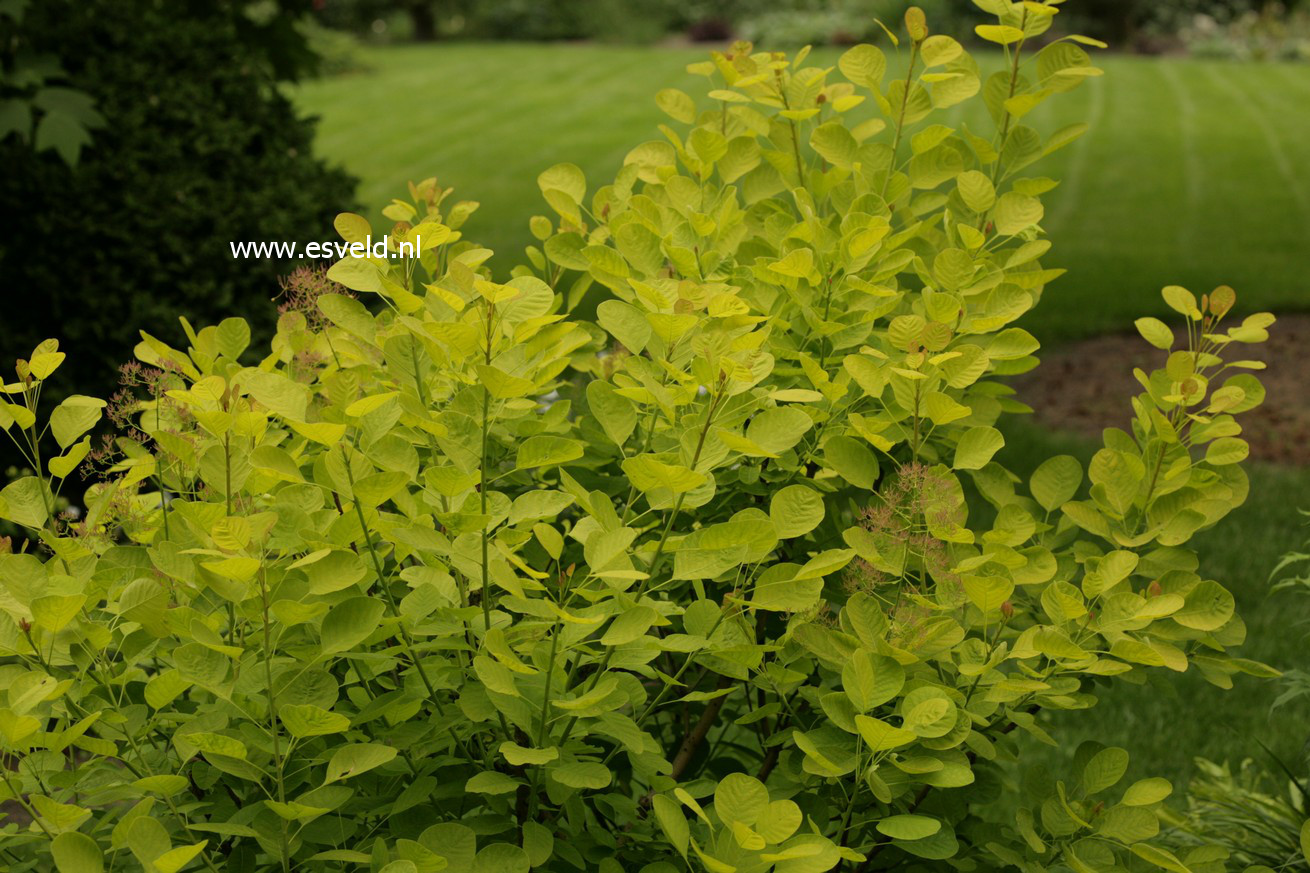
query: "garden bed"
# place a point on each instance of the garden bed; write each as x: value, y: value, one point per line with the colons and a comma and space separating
x: 1081, y: 388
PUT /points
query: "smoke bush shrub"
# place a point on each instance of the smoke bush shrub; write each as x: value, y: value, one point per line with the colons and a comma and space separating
x: 729, y: 580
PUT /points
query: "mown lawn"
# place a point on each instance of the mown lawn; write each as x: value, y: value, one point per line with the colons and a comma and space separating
x: 1194, y: 172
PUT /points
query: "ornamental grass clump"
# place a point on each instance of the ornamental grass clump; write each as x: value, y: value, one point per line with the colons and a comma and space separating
x: 728, y: 579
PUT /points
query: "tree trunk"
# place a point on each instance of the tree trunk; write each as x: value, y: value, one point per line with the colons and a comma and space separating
x: 424, y: 20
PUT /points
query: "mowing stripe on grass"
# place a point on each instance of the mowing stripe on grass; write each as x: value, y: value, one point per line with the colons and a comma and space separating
x: 1071, y: 187
x: 1285, y: 110
x: 1296, y: 76
x: 1272, y: 141
x: 1191, y: 162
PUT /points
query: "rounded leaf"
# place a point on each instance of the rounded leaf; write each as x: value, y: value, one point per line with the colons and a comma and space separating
x: 1017, y: 212
x: 976, y: 190
x: 358, y: 758
x: 350, y: 623
x: 582, y: 774
x: 864, y: 65
x: 852, y: 460
x: 75, y: 852
x: 928, y: 712
x: 1208, y: 607
x: 1181, y: 300
x: 501, y: 858
x: 1155, y: 332
x: 1104, y: 770
x: 909, y: 827
x: 566, y: 178
x: 1147, y: 791
x: 976, y: 448
x: 1001, y: 34
x: 796, y: 510
x: 352, y: 228
x: 740, y: 798
x: 1055, y: 482
x: 306, y: 720
x: 938, y: 50
x: 677, y: 105
x: 870, y: 680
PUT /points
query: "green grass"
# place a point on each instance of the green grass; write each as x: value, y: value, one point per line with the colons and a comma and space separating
x: 1194, y: 172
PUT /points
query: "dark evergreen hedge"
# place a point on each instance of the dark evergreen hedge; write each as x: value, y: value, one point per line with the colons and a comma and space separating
x: 200, y: 149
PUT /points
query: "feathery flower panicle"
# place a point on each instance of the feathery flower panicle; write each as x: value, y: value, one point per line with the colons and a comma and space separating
x: 125, y: 405
x: 305, y: 364
x: 611, y: 361
x: 916, y: 502
x: 826, y: 616
x: 863, y: 576
x: 104, y: 456
x: 301, y: 290
x: 909, y: 622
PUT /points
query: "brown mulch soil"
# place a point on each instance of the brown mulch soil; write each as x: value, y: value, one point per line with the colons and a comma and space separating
x: 1085, y: 387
